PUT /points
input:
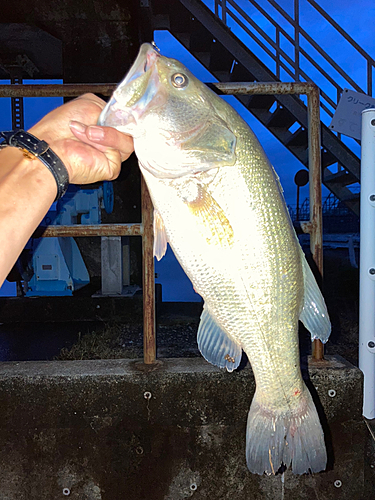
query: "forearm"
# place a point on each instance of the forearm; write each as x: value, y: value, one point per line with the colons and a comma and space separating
x: 27, y: 190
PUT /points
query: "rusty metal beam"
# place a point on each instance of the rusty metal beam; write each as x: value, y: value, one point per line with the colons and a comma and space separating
x: 264, y: 88
x: 77, y: 89
x: 81, y: 230
x: 56, y: 90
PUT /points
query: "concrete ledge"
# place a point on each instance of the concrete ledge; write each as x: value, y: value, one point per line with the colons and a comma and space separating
x: 117, y: 430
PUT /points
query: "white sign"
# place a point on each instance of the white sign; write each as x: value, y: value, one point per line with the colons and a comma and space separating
x: 347, y: 117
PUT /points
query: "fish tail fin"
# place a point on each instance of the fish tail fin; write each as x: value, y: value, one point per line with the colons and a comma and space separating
x: 276, y: 438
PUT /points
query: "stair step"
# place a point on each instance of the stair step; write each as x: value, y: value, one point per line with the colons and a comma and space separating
x: 222, y: 76
x: 344, y: 178
x: 184, y: 38
x: 328, y: 158
x: 241, y: 74
x: 263, y: 102
x: 161, y: 22
x: 300, y: 152
x: 245, y: 99
x: 281, y: 118
x: 260, y: 113
x: 202, y: 57
x: 282, y: 134
x: 221, y: 58
x: 200, y: 38
x: 298, y: 139
x: 352, y: 197
x: 181, y: 18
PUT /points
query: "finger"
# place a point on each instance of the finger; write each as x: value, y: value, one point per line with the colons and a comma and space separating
x: 108, y: 136
x: 103, y: 138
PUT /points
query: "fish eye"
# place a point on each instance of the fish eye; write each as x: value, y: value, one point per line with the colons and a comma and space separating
x: 179, y: 80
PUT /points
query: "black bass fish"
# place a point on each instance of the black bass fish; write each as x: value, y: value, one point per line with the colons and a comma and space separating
x: 219, y: 204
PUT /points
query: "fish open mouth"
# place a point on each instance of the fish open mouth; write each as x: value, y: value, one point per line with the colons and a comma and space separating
x: 148, y: 53
x: 135, y: 92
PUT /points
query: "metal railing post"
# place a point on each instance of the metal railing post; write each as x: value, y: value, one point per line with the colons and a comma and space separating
x: 367, y: 263
x: 148, y: 275
x: 315, y: 191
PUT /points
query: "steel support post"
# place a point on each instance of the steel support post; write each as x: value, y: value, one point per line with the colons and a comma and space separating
x: 367, y: 263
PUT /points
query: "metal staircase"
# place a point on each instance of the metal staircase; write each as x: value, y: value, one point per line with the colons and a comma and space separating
x: 212, y: 41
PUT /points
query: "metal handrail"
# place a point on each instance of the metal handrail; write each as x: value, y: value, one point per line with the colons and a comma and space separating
x: 294, y: 66
x: 145, y: 229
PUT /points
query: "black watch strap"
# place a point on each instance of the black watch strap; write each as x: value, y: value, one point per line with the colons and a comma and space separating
x: 41, y: 150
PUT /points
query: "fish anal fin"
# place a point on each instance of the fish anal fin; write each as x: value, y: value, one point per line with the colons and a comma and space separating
x: 314, y: 314
x: 215, y: 345
x: 160, y: 236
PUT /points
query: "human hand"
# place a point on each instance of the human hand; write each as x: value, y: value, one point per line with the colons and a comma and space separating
x: 89, y: 152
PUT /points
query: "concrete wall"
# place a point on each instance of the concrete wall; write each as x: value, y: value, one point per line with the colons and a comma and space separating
x: 115, y: 430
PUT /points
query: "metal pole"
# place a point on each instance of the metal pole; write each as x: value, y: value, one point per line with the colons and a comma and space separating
x: 56, y: 89
x: 367, y: 263
x: 315, y: 190
x: 89, y: 230
x: 297, y: 209
x: 149, y: 336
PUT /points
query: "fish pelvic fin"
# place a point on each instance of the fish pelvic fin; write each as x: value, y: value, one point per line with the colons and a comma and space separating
x: 314, y: 314
x: 160, y: 236
x: 215, y: 345
x: 289, y: 437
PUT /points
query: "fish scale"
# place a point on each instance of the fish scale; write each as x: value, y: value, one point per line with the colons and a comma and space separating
x: 219, y: 204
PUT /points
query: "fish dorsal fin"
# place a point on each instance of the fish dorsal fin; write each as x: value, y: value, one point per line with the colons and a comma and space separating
x: 314, y: 314
x: 215, y: 345
x: 160, y: 236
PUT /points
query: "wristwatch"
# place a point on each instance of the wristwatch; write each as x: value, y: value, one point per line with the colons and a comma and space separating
x: 32, y: 148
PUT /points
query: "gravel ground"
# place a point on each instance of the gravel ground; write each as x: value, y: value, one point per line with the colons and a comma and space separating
x: 126, y: 341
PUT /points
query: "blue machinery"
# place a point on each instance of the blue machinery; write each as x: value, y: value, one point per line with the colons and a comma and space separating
x: 56, y: 266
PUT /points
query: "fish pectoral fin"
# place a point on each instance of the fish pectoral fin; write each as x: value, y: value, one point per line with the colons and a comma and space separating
x: 214, y: 144
x: 160, y: 236
x: 215, y: 345
x: 212, y: 218
x: 314, y: 314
